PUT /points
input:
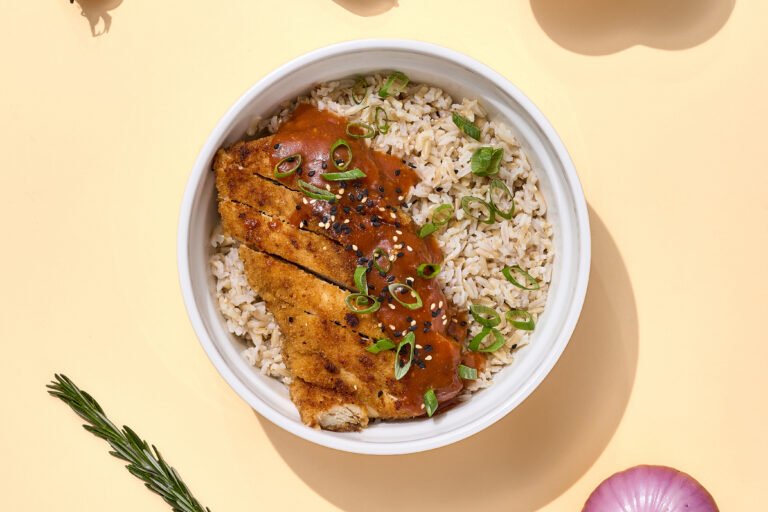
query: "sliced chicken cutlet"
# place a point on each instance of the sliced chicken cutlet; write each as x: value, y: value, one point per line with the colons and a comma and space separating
x: 325, y: 355
x: 327, y: 409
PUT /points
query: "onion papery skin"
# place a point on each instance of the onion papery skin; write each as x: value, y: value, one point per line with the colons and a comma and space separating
x: 650, y: 489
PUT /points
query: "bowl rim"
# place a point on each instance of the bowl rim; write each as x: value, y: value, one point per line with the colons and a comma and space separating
x: 192, y: 189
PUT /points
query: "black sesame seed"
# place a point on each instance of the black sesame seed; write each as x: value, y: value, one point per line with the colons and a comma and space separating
x: 439, y: 189
x: 390, y: 279
x: 397, y: 225
x: 362, y: 226
x: 426, y: 329
x: 413, y: 327
x: 369, y: 203
x: 298, y: 207
x: 397, y: 171
x: 381, y: 189
x: 409, y: 318
x: 463, y: 323
x: 382, y: 273
x: 335, y: 225
x: 398, y: 190
x: 379, y: 393
x: 334, y: 209
x: 346, y: 229
x: 347, y: 209
x: 428, y: 323
x: 427, y: 348
x: 359, y: 253
x: 325, y: 165
x: 299, y: 171
x: 348, y: 247
x: 290, y: 319
x: 513, y: 347
x: 362, y: 261
x: 359, y: 208
x: 360, y: 196
x: 325, y: 219
x: 397, y: 334
x: 435, y: 313
x: 339, y: 162
x: 311, y: 173
x: 421, y: 364
x: 400, y: 254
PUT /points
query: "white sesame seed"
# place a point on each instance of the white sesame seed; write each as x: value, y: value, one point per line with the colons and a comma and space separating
x: 382, y: 209
x: 410, y: 249
x: 394, y: 238
x: 413, y: 322
x: 338, y: 196
x: 398, y: 232
x: 444, y: 318
x: 391, y: 306
x: 398, y: 246
x: 392, y: 258
x: 379, y: 324
x: 341, y: 191
x: 454, y: 320
x: 392, y: 327
x: 440, y: 304
x: 428, y: 358
x: 304, y: 200
x: 333, y: 218
x: 422, y: 406
x: 346, y: 221
x: 354, y: 247
x: 392, y: 214
x: 432, y: 306
x: 400, y: 198
x: 327, y: 187
x: 312, y: 201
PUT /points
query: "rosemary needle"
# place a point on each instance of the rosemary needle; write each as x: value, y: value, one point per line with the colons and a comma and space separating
x: 145, y: 464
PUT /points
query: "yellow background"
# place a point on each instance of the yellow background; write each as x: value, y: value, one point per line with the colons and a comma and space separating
x: 663, y: 106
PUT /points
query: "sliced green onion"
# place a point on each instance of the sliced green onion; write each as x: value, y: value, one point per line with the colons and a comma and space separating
x: 377, y: 254
x: 382, y: 127
x: 508, y: 274
x: 400, y: 368
x: 368, y: 130
x: 395, y: 84
x: 485, y: 316
x: 522, y: 320
x: 396, y: 287
x: 428, y: 270
x: 427, y: 229
x: 498, y: 342
x: 467, y: 201
x: 466, y: 126
x: 341, y: 143
x: 498, y: 184
x: 350, y: 175
x: 486, y: 160
x: 430, y: 402
x: 467, y: 373
x: 356, y: 301
x: 360, y: 280
x: 360, y: 90
x: 442, y: 214
x: 314, y: 192
x: 289, y: 159
x: 380, y: 346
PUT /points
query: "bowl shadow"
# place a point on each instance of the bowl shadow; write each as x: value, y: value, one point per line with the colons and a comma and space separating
x: 535, y: 453
x: 600, y: 27
x: 97, y: 14
x: 367, y: 7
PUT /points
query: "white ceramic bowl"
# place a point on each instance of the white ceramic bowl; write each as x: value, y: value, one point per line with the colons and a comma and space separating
x: 460, y: 76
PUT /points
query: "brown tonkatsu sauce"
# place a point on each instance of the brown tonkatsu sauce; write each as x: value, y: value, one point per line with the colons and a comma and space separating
x: 373, y: 203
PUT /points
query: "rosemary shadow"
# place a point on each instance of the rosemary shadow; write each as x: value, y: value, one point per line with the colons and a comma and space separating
x: 97, y: 12
x: 600, y: 27
x: 537, y: 451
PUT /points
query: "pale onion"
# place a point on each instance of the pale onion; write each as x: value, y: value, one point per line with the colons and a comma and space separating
x: 650, y: 489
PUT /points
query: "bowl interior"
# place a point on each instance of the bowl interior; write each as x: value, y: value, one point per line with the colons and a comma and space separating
x: 460, y: 77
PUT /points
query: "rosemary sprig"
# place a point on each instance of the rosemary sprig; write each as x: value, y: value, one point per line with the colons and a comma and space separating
x: 143, y: 463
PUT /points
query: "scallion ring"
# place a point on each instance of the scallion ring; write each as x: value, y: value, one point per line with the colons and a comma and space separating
x: 360, y: 90
x: 377, y: 254
x: 428, y: 270
x: 360, y: 279
x: 466, y: 203
x: 466, y: 126
x: 395, y: 288
x: 427, y: 229
x: 485, y: 316
x: 341, y: 143
x: 401, y: 369
x: 314, y: 192
x: 498, y: 342
x: 356, y: 301
x: 442, y: 214
x: 521, y: 319
x: 382, y: 126
x: 368, y: 131
x: 467, y: 373
x: 352, y: 174
x: 430, y: 402
x: 486, y: 161
x: 395, y: 84
x: 292, y: 159
x: 500, y: 185
x: 508, y: 274
x: 380, y: 346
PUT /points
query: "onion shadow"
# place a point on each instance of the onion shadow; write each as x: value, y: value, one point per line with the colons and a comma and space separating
x: 367, y: 7
x: 97, y: 14
x: 601, y: 27
x: 535, y: 453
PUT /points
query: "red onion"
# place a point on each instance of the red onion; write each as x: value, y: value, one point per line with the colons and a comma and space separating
x: 650, y: 489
